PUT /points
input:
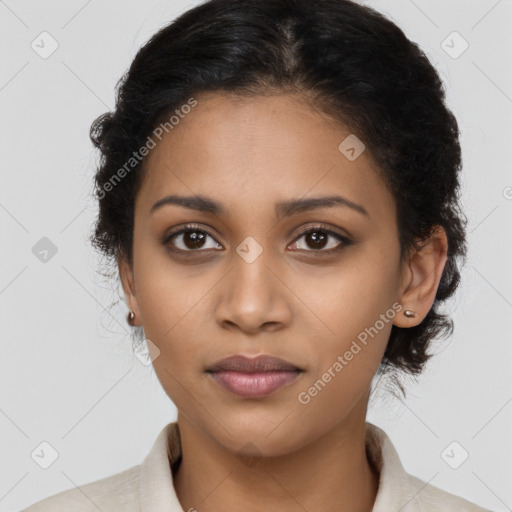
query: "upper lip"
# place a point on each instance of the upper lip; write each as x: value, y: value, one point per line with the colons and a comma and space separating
x: 261, y: 363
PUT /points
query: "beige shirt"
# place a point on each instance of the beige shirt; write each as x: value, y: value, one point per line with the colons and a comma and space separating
x: 148, y: 487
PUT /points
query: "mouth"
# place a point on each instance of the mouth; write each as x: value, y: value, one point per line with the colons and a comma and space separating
x: 253, y: 377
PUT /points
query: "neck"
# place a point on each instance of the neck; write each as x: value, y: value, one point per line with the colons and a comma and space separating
x: 332, y: 469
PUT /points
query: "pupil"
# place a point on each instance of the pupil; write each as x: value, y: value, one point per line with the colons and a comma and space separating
x: 193, y: 239
x: 317, y: 239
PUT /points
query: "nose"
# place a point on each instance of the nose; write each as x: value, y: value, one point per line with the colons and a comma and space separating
x: 253, y: 296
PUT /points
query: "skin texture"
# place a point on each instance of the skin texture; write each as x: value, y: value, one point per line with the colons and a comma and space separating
x: 291, y: 301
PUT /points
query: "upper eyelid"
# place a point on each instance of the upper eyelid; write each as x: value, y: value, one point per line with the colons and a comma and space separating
x: 321, y: 227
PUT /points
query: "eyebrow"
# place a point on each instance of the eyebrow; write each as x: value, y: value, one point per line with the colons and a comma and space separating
x: 282, y: 208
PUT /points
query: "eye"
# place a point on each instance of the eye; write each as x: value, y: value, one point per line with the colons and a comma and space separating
x: 190, y: 239
x: 317, y: 237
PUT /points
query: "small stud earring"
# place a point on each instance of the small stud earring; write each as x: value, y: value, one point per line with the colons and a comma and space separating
x: 131, y: 317
x: 409, y: 314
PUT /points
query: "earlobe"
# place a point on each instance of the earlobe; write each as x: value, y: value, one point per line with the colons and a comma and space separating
x: 424, y: 274
x: 128, y: 283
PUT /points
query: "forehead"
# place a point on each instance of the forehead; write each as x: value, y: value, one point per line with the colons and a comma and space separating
x: 252, y: 152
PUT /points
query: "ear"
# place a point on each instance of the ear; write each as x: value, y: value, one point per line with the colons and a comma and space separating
x: 128, y: 282
x: 421, y: 278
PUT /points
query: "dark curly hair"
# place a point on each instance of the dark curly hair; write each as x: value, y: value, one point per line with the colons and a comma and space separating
x: 346, y: 60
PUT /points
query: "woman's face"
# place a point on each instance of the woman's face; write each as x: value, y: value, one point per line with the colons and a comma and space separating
x: 245, y: 280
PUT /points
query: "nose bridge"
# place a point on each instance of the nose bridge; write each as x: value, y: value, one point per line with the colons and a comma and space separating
x: 251, y: 294
x: 251, y: 275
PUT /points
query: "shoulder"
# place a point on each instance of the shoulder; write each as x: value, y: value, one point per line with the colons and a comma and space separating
x: 434, y: 499
x: 114, y: 493
x: 400, y: 490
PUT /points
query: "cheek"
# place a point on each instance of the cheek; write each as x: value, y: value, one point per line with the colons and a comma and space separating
x: 175, y: 320
x: 347, y: 363
x: 353, y: 318
x: 348, y: 301
x: 169, y: 294
x: 176, y: 314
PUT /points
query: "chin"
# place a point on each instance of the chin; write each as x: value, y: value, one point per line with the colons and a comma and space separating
x: 258, y: 434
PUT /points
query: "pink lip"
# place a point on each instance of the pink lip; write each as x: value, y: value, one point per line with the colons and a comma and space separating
x: 253, y: 364
x: 254, y: 384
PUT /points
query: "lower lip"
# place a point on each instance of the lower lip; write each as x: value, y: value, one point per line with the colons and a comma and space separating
x: 254, y: 385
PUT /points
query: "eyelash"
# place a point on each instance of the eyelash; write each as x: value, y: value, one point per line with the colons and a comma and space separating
x: 312, y: 229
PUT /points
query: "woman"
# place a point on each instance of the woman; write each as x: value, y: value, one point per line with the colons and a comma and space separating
x: 278, y: 190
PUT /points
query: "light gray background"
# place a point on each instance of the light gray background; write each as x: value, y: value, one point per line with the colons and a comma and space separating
x: 67, y: 373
